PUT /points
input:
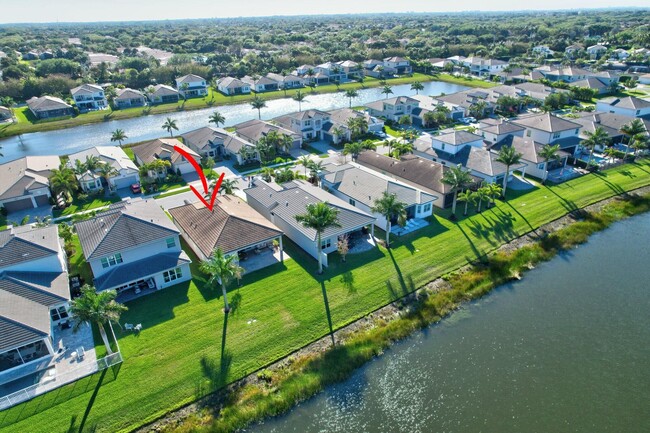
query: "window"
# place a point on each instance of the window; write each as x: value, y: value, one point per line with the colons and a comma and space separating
x: 327, y: 243
x: 427, y: 207
x: 352, y: 202
x: 443, y: 146
x: 171, y: 242
x: 541, y: 166
x: 638, y: 112
x: 556, y: 135
x: 173, y: 274
x: 577, y: 130
x: 58, y: 313
x: 111, y: 260
x: 528, y: 133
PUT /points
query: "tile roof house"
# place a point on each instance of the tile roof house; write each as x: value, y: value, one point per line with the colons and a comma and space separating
x: 611, y: 123
x: 192, y: 86
x: 34, y: 297
x: 361, y: 187
x: 261, y: 84
x: 393, y: 108
x: 308, y: 123
x: 24, y: 182
x: 132, y: 246
x: 233, y: 227
x: 547, y: 128
x: 281, y: 203
x: 126, y: 98
x: 5, y: 113
x: 217, y: 142
x: 286, y: 81
x: 415, y: 171
x: 253, y: 130
x: 233, y: 86
x: 494, y: 132
x: 536, y: 165
x: 126, y: 172
x: 162, y: 94
x: 47, y: 107
x: 628, y: 106
x: 163, y: 148
x: 89, y: 97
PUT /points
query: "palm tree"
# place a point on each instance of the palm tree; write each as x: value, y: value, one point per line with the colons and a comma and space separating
x: 357, y: 126
x: 390, y: 208
x: 549, y: 153
x: 170, y: 125
x: 99, y: 308
x: 79, y: 167
x: 493, y: 192
x: 221, y: 269
x: 401, y: 148
x: 429, y: 118
x: 640, y: 142
x: 119, y: 135
x: 468, y: 197
x: 306, y: 162
x: 417, y: 86
x: 183, y: 90
x: 632, y: 129
x: 387, y: 90
x: 228, y: 186
x: 299, y: 97
x: 457, y: 178
x: 315, y: 168
x: 217, y: 118
x: 339, y: 133
x: 481, y: 194
x: 354, y: 148
x: 106, y: 171
x: 509, y: 156
x: 597, y: 138
x: 258, y: 103
x: 477, y: 109
x: 319, y: 217
x: 351, y: 93
x: 92, y: 162
x: 63, y: 181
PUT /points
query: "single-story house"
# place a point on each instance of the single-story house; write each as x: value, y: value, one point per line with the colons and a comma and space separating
x: 129, y: 98
x: 261, y: 84
x: 286, y: 81
x: 611, y: 123
x: 162, y: 94
x: 126, y: 172
x: 361, y: 187
x: 233, y: 86
x: 5, y: 113
x: 281, y: 203
x: 253, y: 130
x: 416, y: 171
x: 215, y: 142
x: 233, y: 227
x: 163, y: 148
x: 47, y: 107
x: 24, y: 182
x: 133, y: 246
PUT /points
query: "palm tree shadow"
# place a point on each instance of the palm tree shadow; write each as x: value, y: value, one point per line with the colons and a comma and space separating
x: 475, y: 250
x: 613, y: 186
x: 217, y: 372
x: 347, y: 279
x: 523, y: 218
x: 569, y: 205
x: 327, y: 311
x: 235, y: 302
x: 91, y: 402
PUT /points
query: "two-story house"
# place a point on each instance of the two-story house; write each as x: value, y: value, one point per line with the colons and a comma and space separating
x: 192, y: 86
x: 400, y: 65
x: 308, y: 123
x: 133, y: 246
x: 543, y: 51
x: 89, y: 97
x: 34, y: 299
x: 596, y: 51
x: 351, y: 69
x: 393, y: 108
x: 124, y: 175
x: 549, y: 129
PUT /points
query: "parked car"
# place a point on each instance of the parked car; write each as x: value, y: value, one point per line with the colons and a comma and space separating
x: 135, y: 188
x: 467, y: 120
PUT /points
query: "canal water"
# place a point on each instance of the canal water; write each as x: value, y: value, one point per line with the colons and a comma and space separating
x: 567, y: 349
x: 66, y: 141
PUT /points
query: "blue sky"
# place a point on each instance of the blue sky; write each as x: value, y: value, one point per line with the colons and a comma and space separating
x: 13, y: 11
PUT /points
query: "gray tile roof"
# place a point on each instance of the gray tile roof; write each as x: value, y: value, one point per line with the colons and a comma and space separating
x: 458, y: 138
x: 610, y: 122
x: 190, y: 78
x: 46, y: 103
x: 20, y: 176
x: 529, y: 149
x: 629, y: 102
x: 253, y: 130
x: 113, y: 155
x: 546, y: 122
x: 163, y: 90
x: 292, y: 198
x: 161, y: 148
x: 125, y: 225
x: 128, y: 94
x: 202, y: 137
x: 45, y: 288
x: 86, y: 89
x: 140, y: 269
x: 365, y: 187
x: 15, y: 334
x: 503, y: 128
x: 25, y: 244
x: 232, y: 226
x: 231, y: 83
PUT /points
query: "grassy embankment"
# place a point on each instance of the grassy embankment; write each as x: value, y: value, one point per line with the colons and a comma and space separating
x: 27, y: 123
x: 188, y: 348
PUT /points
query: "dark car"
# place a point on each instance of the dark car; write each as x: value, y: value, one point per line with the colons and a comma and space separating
x: 135, y: 188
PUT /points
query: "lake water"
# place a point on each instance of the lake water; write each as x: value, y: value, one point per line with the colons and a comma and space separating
x: 567, y: 349
x: 66, y: 141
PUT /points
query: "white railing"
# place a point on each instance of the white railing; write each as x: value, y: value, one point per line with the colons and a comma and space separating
x: 59, y: 380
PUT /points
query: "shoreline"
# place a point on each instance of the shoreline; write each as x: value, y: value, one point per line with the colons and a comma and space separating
x: 218, y: 99
x: 421, y: 307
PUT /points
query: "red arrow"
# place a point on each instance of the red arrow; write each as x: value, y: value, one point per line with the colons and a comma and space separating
x: 204, y: 181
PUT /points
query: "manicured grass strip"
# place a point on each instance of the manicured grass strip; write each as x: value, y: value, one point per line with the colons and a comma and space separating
x: 181, y: 352
x: 304, y: 377
x: 82, y: 205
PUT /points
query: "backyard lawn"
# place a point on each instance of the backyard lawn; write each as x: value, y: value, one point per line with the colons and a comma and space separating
x: 187, y: 348
x: 88, y: 204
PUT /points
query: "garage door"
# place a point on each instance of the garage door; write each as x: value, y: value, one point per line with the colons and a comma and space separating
x: 125, y: 182
x: 42, y: 200
x: 22, y: 204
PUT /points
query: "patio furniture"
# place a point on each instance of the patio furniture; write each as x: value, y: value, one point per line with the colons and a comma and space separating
x: 128, y: 326
x: 137, y: 290
x: 138, y: 327
x: 80, y: 353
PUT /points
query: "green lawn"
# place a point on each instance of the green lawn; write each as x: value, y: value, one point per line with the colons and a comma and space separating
x: 78, y: 264
x: 181, y: 354
x: 81, y: 205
